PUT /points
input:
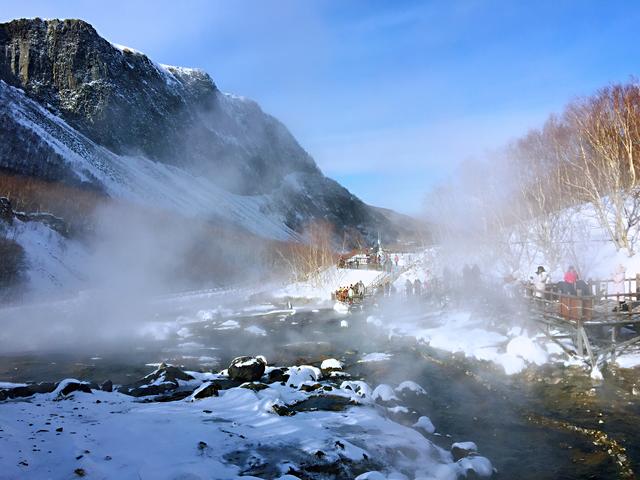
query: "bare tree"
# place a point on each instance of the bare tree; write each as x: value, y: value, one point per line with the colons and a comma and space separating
x: 307, y: 260
x: 604, y: 169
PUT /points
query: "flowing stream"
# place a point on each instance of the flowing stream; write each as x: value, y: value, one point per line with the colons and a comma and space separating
x: 547, y: 423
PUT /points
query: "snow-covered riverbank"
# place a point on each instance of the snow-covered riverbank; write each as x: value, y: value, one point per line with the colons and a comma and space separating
x: 307, y: 423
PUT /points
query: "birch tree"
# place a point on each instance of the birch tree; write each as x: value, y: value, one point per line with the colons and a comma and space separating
x: 604, y: 168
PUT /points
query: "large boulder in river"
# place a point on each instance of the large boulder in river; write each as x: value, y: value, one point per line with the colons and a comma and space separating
x: 247, y: 369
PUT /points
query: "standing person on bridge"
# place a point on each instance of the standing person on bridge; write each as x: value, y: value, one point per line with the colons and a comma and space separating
x: 466, y: 275
x: 617, y: 288
x: 540, y: 282
x: 417, y: 287
x: 571, y: 278
x: 408, y: 288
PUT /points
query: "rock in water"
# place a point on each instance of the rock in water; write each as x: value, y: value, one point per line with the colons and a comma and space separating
x: 330, y: 365
x: 425, y: 424
x: 463, y: 449
x: 384, y: 395
x: 107, y: 386
x: 247, y: 369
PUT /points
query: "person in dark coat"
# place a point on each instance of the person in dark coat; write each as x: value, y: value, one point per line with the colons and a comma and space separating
x: 466, y: 276
x: 417, y: 287
x: 408, y: 288
x: 475, y: 275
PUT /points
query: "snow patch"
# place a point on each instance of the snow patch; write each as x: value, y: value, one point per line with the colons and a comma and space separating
x: 375, y: 357
x: 255, y: 330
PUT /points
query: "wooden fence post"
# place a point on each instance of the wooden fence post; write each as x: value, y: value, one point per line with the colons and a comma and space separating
x: 579, y: 338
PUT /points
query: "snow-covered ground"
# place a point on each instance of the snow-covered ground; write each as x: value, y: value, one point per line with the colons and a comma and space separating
x: 238, y: 434
x: 463, y: 332
x: 54, y: 262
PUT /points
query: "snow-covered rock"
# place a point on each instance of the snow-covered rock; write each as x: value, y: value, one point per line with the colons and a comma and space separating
x: 425, y: 424
x: 463, y: 449
x: 247, y: 369
x: 409, y: 386
x: 255, y: 330
x: 331, y: 364
x: 298, y: 375
x: 383, y: 393
x: 358, y: 387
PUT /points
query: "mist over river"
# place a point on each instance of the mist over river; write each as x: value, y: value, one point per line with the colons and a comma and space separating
x: 549, y: 422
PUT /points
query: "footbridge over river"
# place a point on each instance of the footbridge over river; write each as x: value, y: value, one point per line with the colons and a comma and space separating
x: 601, y: 324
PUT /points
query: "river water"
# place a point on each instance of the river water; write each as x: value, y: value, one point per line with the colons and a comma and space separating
x: 548, y: 423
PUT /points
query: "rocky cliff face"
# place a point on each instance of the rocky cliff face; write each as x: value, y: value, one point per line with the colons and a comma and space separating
x: 98, y: 115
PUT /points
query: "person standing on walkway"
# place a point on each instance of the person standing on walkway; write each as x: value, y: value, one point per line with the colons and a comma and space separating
x: 540, y: 282
x: 617, y: 287
x: 571, y: 278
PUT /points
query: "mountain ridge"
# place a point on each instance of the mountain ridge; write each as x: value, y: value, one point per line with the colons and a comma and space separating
x: 133, y: 108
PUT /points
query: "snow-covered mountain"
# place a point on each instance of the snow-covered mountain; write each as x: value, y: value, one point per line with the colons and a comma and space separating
x: 77, y: 109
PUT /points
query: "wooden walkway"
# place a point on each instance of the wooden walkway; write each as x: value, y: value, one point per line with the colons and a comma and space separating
x: 373, y: 287
x: 386, y: 276
x: 600, y: 324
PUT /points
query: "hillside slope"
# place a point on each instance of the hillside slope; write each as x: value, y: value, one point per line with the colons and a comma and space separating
x: 77, y: 109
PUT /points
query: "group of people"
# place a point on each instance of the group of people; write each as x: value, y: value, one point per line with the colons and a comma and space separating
x: 386, y: 289
x: 411, y: 289
x: 353, y: 292
x: 414, y: 288
x: 572, y: 284
x: 356, y: 291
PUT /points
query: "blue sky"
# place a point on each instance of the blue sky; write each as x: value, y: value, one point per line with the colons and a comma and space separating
x: 388, y: 96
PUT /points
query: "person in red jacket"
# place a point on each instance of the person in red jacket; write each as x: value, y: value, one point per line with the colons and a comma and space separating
x: 571, y: 276
x: 570, y: 279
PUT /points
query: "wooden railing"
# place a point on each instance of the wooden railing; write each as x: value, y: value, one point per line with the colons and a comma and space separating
x: 593, y: 317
